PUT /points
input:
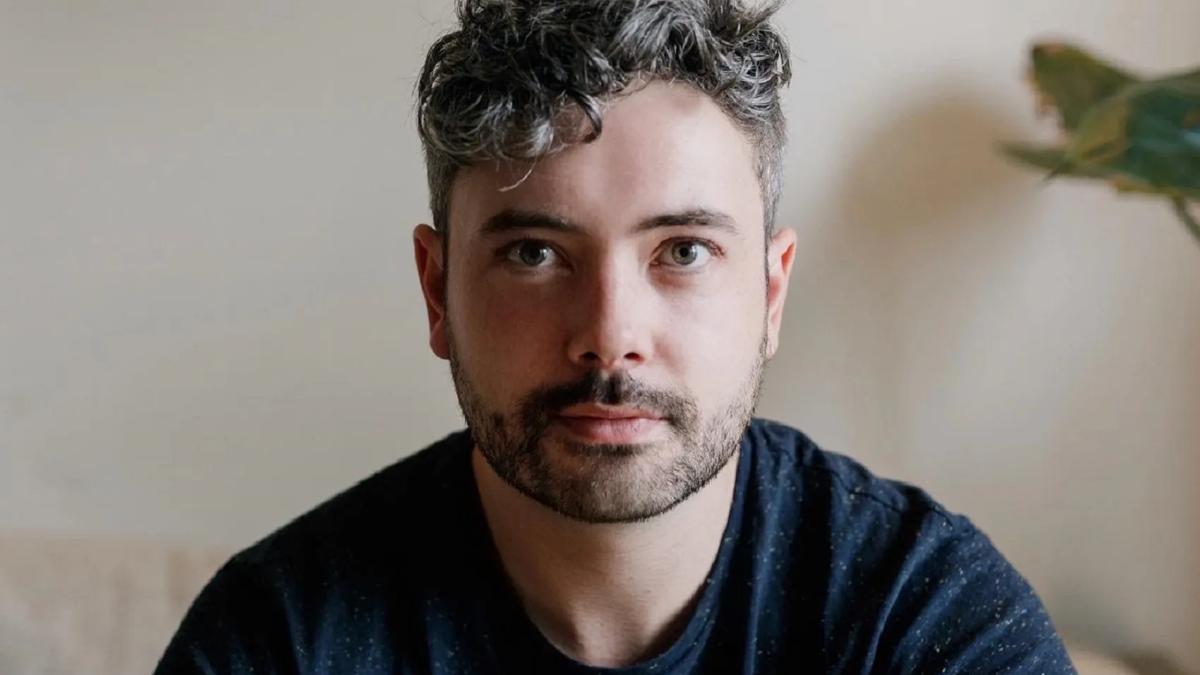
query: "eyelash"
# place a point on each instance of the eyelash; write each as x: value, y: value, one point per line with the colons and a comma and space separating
x: 714, y: 250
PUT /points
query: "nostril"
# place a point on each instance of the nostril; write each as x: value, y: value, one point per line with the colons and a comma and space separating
x: 593, y: 357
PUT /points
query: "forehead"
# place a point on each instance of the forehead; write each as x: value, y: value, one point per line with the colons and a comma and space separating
x: 666, y: 148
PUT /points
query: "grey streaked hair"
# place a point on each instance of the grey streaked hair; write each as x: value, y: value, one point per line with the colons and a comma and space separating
x: 520, y: 78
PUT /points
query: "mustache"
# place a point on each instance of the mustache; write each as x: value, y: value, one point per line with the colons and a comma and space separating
x: 620, y: 389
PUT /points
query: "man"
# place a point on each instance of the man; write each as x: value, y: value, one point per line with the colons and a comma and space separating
x: 605, y: 278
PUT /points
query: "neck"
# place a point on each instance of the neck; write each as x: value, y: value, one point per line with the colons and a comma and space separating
x: 607, y: 595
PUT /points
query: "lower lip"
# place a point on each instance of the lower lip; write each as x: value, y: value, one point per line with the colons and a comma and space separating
x: 602, y: 430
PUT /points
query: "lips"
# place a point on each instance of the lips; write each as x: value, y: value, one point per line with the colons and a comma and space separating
x: 601, y: 424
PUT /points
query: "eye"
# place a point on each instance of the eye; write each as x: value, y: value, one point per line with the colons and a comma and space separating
x: 529, y: 253
x: 689, y: 253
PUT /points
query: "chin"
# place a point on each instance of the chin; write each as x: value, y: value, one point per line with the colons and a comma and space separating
x: 605, y: 483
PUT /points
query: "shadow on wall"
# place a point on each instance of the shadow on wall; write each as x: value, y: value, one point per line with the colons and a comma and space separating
x: 907, y: 194
x: 899, y: 288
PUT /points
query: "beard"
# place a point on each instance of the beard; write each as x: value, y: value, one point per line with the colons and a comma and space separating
x: 607, y: 482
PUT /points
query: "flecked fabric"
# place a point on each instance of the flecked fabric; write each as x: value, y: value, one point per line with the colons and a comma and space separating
x: 823, y: 568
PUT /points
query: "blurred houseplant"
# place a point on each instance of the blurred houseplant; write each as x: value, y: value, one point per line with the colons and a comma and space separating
x: 1140, y: 135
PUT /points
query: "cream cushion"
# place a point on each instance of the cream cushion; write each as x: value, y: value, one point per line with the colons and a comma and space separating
x: 73, y: 606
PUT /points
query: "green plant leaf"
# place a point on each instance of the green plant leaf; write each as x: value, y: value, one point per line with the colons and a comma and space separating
x: 1072, y: 80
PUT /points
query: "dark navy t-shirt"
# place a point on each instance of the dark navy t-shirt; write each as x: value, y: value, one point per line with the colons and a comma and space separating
x: 823, y: 568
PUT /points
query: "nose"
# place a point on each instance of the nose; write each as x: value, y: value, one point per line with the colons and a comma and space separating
x: 609, y: 326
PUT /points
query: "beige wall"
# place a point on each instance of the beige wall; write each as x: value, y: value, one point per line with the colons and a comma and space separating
x: 209, y: 319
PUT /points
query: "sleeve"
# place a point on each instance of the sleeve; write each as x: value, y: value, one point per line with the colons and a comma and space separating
x: 962, y: 608
x: 236, y: 626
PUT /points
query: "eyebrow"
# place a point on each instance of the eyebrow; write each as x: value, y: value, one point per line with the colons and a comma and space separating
x: 510, y: 220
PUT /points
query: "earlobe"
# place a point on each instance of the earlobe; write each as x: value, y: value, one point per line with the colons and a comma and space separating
x: 780, y: 254
x: 427, y: 246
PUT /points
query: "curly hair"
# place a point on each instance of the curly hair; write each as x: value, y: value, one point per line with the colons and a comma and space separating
x: 519, y: 79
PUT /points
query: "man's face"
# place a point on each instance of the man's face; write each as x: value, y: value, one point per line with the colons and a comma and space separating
x: 607, y: 320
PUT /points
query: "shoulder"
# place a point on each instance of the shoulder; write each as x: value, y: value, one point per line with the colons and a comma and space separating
x: 789, y: 464
x: 904, y: 578
x: 865, y: 520
x: 287, y: 602
x: 370, y: 522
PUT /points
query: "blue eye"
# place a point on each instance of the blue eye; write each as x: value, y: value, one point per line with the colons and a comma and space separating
x: 688, y: 253
x: 531, y: 254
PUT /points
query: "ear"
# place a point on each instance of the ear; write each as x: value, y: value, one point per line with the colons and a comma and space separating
x: 780, y: 252
x: 427, y: 245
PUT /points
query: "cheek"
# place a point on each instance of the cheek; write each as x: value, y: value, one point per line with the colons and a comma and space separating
x: 714, y: 336
x: 505, y: 336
